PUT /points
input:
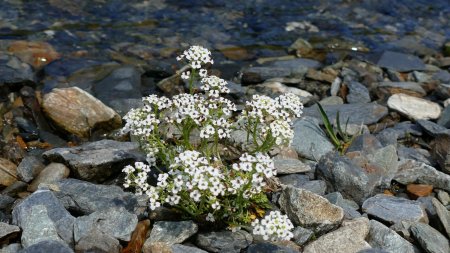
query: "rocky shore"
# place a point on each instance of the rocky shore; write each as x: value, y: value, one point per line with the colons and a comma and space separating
x: 62, y: 151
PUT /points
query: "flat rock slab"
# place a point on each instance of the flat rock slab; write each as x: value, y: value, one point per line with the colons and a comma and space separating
x: 411, y: 171
x: 96, y: 161
x: 365, y: 114
x: 387, y: 239
x: 78, y: 112
x: 115, y: 222
x: 348, y: 238
x: 429, y: 238
x: 224, y: 241
x: 393, y: 210
x: 310, y: 141
x: 310, y: 210
x: 413, y: 107
x: 86, y: 198
x: 171, y: 232
x: 400, y: 62
x: 290, y: 166
x: 409, y: 88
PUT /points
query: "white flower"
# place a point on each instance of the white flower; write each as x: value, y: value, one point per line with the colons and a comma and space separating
x: 274, y: 226
x: 210, y: 217
x: 186, y: 75
x: 196, y: 56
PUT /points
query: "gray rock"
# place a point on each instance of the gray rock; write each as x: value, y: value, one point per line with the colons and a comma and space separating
x: 115, y: 222
x: 290, y: 166
x: 365, y: 143
x: 348, y: 238
x: 6, y: 201
x: 7, y: 230
x: 444, y: 120
x: 410, y: 171
x: 417, y: 154
x: 384, y: 238
x: 224, y: 241
x: 350, y: 207
x: 387, y: 160
x: 400, y: 62
x: 29, y: 168
x: 50, y: 210
x: 296, y: 180
x: 255, y: 75
x: 180, y: 248
x: 393, y: 210
x: 444, y: 197
x: 332, y: 100
x: 440, y: 150
x: 432, y: 128
x: 357, y: 93
x: 429, y: 238
x: 365, y: 114
x: 413, y: 107
x: 13, y: 71
x: 402, y: 228
x: 47, y: 246
x: 407, y: 87
x: 12, y: 248
x: 99, y: 242
x: 265, y: 247
x: 372, y: 250
x: 50, y: 174
x: 309, y: 139
x: 443, y: 214
x: 421, y: 77
x: 38, y: 227
x: 121, y: 89
x: 443, y: 76
x: 86, y: 198
x: 342, y: 175
x: 310, y: 210
x: 302, y: 235
x: 171, y: 232
x: 96, y: 161
x: 401, y: 130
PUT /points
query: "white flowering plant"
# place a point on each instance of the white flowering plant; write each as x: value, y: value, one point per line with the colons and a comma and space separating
x: 189, y: 143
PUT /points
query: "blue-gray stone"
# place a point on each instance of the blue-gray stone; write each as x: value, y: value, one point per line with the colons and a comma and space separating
x: 47, y: 246
x: 357, y: 93
x: 400, y: 62
x: 429, y: 238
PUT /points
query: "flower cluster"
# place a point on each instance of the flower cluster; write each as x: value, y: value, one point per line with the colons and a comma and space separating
x: 274, y: 226
x: 271, y: 118
x: 187, y: 139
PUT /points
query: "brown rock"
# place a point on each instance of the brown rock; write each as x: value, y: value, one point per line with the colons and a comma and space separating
x: 320, y: 76
x: 138, y: 237
x: 440, y: 150
x: 50, y: 174
x: 78, y: 112
x: 8, y: 172
x: 35, y: 53
x: 419, y: 190
x: 234, y: 53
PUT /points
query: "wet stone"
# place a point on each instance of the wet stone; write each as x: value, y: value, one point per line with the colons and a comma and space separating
x: 310, y: 210
x: 224, y: 241
x: 86, y: 198
x: 120, y: 90
x: 96, y: 161
x: 382, y: 237
x: 13, y: 71
x: 400, y: 62
x: 429, y: 238
x: 393, y: 209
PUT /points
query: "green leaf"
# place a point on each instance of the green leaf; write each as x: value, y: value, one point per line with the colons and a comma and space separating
x: 328, y: 126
